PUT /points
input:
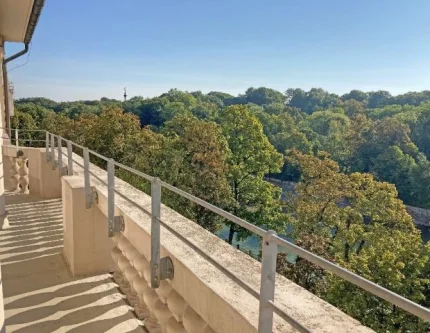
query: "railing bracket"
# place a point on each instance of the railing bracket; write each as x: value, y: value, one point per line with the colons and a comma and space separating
x: 166, y: 268
x: 118, y: 225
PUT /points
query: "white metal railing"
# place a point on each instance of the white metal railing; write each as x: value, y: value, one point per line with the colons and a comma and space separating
x: 161, y: 268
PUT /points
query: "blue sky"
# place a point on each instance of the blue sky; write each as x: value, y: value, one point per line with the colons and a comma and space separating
x: 87, y: 49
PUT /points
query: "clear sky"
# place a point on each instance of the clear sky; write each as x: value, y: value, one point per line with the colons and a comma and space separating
x: 87, y: 49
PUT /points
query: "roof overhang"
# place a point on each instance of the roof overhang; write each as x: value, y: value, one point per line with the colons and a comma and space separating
x: 18, y: 19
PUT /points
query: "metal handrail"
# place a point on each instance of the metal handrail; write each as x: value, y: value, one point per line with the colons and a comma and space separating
x: 270, y: 243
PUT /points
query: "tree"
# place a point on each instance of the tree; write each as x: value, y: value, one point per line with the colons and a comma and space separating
x: 378, y: 99
x: 369, y: 232
x: 37, y: 112
x: 356, y: 95
x: 378, y: 137
x: 26, y: 124
x: 421, y: 130
x: 263, y: 96
x: 352, y: 108
x: 252, y: 156
x: 397, y: 168
x: 330, y: 129
x: 110, y: 134
x: 194, y: 158
x: 286, y: 141
x: 40, y: 101
x: 315, y: 99
x: 206, y: 111
x: 303, y: 272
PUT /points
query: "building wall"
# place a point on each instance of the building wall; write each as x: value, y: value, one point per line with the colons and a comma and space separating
x: 2, y: 199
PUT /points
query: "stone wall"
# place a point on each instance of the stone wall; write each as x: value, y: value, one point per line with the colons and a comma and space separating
x: 421, y: 216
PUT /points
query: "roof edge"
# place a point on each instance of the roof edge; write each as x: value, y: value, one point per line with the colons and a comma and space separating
x: 34, y: 18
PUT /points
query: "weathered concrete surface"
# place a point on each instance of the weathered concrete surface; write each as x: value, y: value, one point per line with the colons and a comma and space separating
x: 421, y: 216
x: 40, y: 295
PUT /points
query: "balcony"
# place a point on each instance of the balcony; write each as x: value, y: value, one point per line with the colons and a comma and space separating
x: 87, y: 252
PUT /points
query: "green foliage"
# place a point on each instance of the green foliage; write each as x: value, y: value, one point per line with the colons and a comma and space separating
x: 365, y: 228
x: 252, y: 156
x: 110, y: 134
x: 263, y: 96
x: 356, y: 95
x: 310, y: 101
x: 194, y: 158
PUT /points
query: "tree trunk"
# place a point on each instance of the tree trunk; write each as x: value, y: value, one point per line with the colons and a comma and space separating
x: 346, y: 254
x: 231, y: 234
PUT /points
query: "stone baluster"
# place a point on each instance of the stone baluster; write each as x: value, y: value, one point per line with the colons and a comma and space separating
x: 23, y: 175
x: 7, y: 172
x: 174, y: 327
x: 141, y: 309
x: 163, y: 309
x: 150, y: 298
x: 131, y: 274
x: 133, y: 255
x: 14, y: 173
x: 140, y: 285
x: 177, y: 306
x: 123, y: 264
x: 193, y: 323
x: 117, y: 275
x: 151, y: 323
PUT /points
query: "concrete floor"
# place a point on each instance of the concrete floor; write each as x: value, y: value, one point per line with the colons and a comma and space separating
x: 40, y: 295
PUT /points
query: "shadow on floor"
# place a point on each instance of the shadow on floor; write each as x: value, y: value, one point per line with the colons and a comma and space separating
x: 39, y: 293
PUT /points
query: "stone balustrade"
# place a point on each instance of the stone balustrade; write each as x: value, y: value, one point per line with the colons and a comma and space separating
x: 13, y: 175
x: 23, y: 174
x: 163, y: 309
x: 16, y: 171
x: 199, y: 298
x: 27, y: 167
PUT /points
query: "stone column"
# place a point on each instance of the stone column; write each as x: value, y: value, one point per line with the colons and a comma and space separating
x: 4, y: 223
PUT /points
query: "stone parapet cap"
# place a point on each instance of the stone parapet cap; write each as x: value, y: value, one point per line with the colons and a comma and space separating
x: 221, y: 302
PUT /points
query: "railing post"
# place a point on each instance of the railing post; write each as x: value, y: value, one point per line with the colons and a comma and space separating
x: 267, y: 284
x: 161, y: 268
x: 155, y: 232
x: 88, y: 195
x: 115, y: 223
x: 60, y: 154
x: 111, y: 197
x: 69, y: 158
x: 16, y: 139
x: 53, y: 150
x: 47, y: 146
